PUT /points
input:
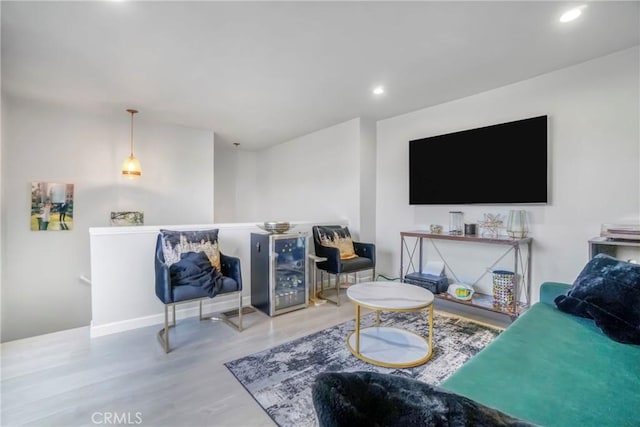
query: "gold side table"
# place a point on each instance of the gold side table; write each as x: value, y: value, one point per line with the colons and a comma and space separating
x: 314, y: 280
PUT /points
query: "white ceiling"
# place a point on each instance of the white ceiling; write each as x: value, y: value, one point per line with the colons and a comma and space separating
x: 261, y: 73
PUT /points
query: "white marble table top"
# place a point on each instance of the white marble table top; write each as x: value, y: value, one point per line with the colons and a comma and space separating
x: 390, y: 296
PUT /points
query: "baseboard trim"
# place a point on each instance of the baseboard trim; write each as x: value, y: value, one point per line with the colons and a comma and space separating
x: 183, y: 311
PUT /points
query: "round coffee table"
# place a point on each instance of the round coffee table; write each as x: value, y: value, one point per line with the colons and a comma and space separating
x: 388, y: 346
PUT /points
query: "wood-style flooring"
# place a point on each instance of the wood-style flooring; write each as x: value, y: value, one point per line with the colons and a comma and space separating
x: 68, y: 379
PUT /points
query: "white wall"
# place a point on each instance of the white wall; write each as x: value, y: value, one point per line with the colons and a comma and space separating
x: 594, y: 142
x: 235, y: 184
x: 368, y: 180
x: 316, y: 177
x: 41, y: 288
x: 225, y: 168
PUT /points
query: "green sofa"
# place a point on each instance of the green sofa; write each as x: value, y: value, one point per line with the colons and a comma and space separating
x: 555, y: 369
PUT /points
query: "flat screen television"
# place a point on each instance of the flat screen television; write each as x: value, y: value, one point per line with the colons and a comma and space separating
x: 504, y: 163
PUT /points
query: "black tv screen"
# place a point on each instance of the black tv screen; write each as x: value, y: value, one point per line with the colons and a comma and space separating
x: 499, y: 164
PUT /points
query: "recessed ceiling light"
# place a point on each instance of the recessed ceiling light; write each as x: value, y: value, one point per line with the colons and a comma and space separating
x: 378, y: 90
x: 572, y: 14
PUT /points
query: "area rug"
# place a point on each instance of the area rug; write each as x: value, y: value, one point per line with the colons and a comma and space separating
x: 280, y: 378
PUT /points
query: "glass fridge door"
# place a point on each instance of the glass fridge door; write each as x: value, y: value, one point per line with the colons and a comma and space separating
x: 289, y: 272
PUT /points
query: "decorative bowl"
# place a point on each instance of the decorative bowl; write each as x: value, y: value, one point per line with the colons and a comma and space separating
x: 275, y: 227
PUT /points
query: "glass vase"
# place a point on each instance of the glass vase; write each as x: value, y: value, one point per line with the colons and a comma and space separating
x: 455, y: 223
x: 517, y: 224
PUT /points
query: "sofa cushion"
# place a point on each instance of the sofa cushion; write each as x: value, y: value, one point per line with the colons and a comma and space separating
x: 175, y: 243
x: 377, y: 399
x: 337, y: 237
x: 607, y: 290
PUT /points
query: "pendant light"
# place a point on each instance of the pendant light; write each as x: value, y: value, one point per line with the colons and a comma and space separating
x: 131, y: 165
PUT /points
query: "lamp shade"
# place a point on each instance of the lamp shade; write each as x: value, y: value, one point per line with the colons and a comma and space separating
x: 131, y: 167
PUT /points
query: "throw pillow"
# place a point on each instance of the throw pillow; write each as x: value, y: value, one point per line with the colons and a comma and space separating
x: 339, y: 238
x: 607, y: 290
x: 175, y: 243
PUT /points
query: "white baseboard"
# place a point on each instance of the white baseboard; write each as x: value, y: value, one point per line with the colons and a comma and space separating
x: 183, y: 311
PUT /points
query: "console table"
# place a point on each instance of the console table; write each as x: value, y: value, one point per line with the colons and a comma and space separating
x: 521, y: 266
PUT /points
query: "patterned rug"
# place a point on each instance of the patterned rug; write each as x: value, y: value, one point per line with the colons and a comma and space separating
x: 280, y: 379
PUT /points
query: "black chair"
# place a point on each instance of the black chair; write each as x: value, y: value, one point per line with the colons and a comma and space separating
x: 365, y: 258
x: 171, y: 295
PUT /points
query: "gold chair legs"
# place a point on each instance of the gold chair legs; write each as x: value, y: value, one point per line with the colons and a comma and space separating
x: 163, y: 334
x: 237, y: 325
x: 322, y: 293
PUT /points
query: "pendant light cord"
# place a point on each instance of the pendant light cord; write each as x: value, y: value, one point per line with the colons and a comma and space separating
x: 132, y: 113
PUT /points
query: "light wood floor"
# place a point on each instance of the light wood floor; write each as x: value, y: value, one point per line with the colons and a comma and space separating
x: 68, y: 379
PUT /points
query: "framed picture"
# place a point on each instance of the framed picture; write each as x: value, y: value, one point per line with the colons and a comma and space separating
x: 51, y: 206
x: 127, y: 218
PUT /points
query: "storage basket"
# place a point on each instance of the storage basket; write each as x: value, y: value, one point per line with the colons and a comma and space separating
x: 503, y: 288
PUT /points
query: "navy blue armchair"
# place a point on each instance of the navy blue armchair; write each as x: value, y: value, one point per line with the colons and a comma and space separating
x: 170, y: 295
x: 364, y: 259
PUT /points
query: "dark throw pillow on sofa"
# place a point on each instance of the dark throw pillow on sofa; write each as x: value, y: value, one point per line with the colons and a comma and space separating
x: 354, y: 399
x: 607, y: 290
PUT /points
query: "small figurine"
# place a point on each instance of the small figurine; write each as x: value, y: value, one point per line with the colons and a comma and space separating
x: 490, y: 224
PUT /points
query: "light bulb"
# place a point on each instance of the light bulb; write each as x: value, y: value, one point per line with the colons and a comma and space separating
x: 572, y: 14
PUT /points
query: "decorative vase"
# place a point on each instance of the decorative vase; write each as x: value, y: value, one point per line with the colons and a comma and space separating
x: 517, y: 224
x: 503, y: 288
x: 455, y: 223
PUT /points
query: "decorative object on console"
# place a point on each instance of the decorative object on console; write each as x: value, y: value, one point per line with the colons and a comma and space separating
x: 607, y: 290
x: 490, y: 224
x: 503, y: 288
x: 435, y: 228
x: 276, y: 227
x: 131, y: 166
x: 455, y: 223
x: 621, y: 231
x: 517, y: 224
x: 127, y: 218
x: 461, y: 291
x: 470, y: 230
